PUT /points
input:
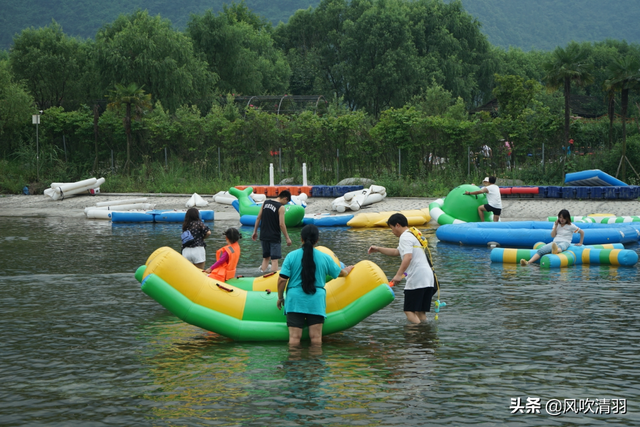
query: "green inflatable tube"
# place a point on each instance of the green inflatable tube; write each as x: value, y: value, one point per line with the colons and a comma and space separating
x: 262, y: 321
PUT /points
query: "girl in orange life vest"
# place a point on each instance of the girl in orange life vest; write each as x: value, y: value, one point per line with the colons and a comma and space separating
x: 227, y: 257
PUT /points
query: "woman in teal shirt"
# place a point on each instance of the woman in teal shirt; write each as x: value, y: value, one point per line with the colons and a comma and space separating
x: 306, y: 270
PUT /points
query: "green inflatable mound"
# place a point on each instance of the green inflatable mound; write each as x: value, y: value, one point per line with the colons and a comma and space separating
x: 464, y: 208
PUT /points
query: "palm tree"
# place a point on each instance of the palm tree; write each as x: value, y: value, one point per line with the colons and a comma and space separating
x: 625, y: 76
x: 564, y: 67
x: 610, y: 90
x: 131, y: 97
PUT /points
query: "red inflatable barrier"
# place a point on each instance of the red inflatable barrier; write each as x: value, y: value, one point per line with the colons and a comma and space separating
x: 525, y: 190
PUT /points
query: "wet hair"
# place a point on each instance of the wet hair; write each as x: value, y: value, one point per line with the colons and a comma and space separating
x: 566, y: 215
x: 285, y: 194
x: 192, y: 214
x: 232, y: 234
x: 397, y: 218
x: 309, y: 235
x: 492, y: 180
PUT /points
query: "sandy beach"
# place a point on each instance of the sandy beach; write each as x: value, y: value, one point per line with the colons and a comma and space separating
x: 513, y: 209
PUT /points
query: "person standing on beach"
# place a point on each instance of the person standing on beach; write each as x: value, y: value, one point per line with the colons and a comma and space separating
x: 562, y: 233
x: 420, y: 286
x: 194, y: 231
x: 271, y: 222
x: 494, y: 199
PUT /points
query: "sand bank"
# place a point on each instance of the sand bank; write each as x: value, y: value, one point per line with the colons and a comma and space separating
x: 513, y: 209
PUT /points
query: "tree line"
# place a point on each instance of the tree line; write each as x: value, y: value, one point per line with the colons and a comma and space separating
x: 399, y: 76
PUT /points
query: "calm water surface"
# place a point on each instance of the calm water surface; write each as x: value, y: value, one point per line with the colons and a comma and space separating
x: 80, y: 344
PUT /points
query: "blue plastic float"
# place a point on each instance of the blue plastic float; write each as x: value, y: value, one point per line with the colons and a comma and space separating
x: 157, y: 216
x: 519, y: 234
x: 592, y: 178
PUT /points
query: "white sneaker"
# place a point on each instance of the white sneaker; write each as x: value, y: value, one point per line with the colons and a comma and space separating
x: 264, y: 271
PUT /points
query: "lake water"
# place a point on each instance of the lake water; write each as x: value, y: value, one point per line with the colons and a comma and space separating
x: 81, y: 345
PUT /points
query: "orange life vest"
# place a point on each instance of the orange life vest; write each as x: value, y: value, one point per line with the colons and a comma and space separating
x: 227, y: 271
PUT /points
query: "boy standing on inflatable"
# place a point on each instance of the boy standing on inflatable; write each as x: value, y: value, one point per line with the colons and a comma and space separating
x: 420, y: 286
x: 272, y: 217
x: 494, y: 199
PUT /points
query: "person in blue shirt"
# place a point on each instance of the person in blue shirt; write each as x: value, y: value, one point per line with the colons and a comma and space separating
x: 306, y: 270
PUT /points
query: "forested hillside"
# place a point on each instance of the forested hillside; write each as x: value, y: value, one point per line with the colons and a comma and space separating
x: 84, y: 17
x: 540, y: 24
x: 545, y: 24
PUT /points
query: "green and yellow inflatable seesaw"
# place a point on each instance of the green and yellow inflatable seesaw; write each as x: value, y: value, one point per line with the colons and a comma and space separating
x: 252, y: 315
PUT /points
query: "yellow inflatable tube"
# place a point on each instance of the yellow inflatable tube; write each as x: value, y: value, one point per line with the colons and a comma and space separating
x: 414, y: 217
x: 223, y: 308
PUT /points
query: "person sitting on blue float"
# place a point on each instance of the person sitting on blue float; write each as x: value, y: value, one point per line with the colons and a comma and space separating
x: 562, y: 233
x: 494, y: 199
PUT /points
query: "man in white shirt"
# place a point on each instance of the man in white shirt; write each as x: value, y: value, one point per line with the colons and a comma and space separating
x: 494, y: 199
x: 420, y: 285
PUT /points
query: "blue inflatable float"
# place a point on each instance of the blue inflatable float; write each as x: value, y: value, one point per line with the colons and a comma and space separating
x: 157, y: 216
x: 524, y: 234
x: 592, y: 178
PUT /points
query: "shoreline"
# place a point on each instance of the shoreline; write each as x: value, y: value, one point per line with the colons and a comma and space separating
x: 531, y: 209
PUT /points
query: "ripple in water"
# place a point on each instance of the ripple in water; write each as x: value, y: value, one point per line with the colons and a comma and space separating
x: 81, y: 345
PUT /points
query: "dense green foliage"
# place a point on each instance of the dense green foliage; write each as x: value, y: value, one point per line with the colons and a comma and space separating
x: 378, y: 54
x: 83, y: 18
x: 239, y: 49
x: 540, y: 24
x: 405, y: 83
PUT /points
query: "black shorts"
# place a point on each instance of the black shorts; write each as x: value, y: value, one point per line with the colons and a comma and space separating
x: 297, y: 320
x: 271, y: 250
x: 490, y: 208
x: 419, y: 299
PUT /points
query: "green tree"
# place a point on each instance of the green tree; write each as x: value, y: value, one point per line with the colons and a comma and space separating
x: 564, y: 67
x: 133, y: 101
x: 625, y: 76
x: 452, y: 50
x: 146, y: 50
x: 514, y: 94
x: 16, y: 106
x: 238, y: 47
x: 49, y: 62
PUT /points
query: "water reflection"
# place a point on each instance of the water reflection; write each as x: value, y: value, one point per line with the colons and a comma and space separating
x: 81, y: 345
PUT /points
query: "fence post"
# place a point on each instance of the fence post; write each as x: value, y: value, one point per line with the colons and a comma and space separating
x: 271, y: 183
x: 399, y: 163
x: 166, y: 164
x: 543, y: 157
x: 219, y: 171
x: 337, y: 165
x: 64, y: 145
x: 113, y: 169
x: 468, y: 161
x: 304, y: 174
x: 280, y: 161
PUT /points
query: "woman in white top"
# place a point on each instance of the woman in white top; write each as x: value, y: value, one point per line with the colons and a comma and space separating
x: 562, y: 234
